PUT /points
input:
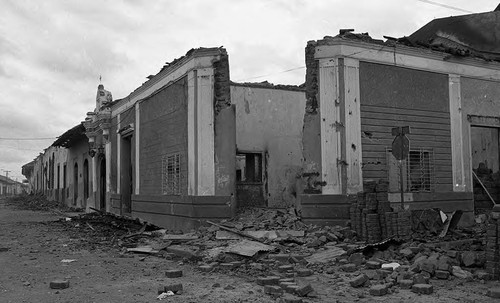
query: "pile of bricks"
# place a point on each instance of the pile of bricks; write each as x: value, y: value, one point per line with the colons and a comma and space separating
x: 492, y: 244
x: 372, y: 217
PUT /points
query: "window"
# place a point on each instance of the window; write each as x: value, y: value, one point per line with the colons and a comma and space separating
x: 249, y: 168
x: 418, y: 171
x: 171, y: 174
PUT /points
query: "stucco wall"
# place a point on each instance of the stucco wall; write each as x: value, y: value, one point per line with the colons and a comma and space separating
x: 271, y: 121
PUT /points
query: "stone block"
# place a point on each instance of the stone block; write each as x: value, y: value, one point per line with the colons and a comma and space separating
x: 425, y: 289
x: 357, y: 259
x: 468, y: 258
x: 378, y: 290
x: 420, y: 279
x: 305, y: 272
x: 205, y: 268
x: 285, y: 268
x: 290, y: 299
x: 273, y: 290
x: 349, y: 267
x: 405, y: 283
x: 173, y: 273
x: 59, y: 284
x: 494, y: 293
x: 304, y: 290
x: 359, y: 280
x: 270, y: 280
x: 373, y: 265
x: 442, y: 274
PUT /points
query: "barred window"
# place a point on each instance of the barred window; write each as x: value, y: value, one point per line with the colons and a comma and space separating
x: 418, y: 171
x: 171, y: 174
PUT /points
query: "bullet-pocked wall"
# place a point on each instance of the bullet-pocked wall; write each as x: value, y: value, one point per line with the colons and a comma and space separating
x: 269, y: 122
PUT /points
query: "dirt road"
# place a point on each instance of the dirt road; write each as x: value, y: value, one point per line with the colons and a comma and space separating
x: 36, y: 246
x: 33, y: 244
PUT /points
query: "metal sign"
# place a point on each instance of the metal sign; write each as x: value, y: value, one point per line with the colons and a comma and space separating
x: 401, y: 143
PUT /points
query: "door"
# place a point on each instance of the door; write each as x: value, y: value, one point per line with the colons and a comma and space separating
x: 126, y: 167
x: 102, y: 184
x: 250, y: 179
x: 486, y: 166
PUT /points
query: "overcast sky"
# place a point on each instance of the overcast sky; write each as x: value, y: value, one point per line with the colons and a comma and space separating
x: 53, y: 52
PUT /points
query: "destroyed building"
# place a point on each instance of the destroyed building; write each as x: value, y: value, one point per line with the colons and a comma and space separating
x: 442, y: 81
x: 189, y: 144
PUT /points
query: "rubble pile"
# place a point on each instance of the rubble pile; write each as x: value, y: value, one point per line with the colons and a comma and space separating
x: 36, y: 202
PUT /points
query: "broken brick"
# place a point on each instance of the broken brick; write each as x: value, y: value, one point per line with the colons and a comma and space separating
x: 173, y: 273
x: 349, y: 267
x: 304, y: 290
x: 285, y: 268
x: 290, y: 299
x: 494, y: 293
x: 175, y: 288
x: 359, y: 280
x: 273, y: 290
x: 357, y: 259
x: 59, y: 284
x: 378, y: 290
x: 420, y: 279
x: 270, y: 280
x: 373, y: 265
x: 405, y: 283
x: 425, y: 289
x: 304, y: 272
x: 205, y: 268
x: 442, y: 274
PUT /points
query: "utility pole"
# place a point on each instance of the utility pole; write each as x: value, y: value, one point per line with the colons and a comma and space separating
x: 6, y: 172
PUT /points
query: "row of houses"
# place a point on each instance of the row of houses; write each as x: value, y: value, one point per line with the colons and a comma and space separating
x: 189, y: 144
x: 9, y: 187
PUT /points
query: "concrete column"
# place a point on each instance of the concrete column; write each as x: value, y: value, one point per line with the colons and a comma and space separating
x: 331, y: 144
x: 457, y: 135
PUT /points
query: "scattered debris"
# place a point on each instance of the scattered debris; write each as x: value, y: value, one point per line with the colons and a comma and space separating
x: 164, y: 295
x: 248, y: 248
x: 68, y: 260
x: 59, y: 284
x: 142, y: 250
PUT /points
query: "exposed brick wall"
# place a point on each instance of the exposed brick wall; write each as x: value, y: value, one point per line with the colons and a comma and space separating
x: 312, y: 70
x: 163, y: 127
x: 222, y: 93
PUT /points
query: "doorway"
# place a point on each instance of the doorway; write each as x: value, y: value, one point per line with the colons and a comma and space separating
x: 485, y: 165
x: 126, y: 180
x: 102, y: 184
x: 250, y: 179
x: 75, y: 184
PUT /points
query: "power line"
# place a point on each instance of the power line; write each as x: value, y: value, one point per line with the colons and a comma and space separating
x: 282, y: 72
x: 445, y: 6
x: 30, y: 139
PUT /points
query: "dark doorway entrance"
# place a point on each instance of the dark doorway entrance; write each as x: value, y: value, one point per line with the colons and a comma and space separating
x: 102, y: 184
x: 126, y: 180
x: 75, y: 184
x: 250, y: 179
x: 485, y: 165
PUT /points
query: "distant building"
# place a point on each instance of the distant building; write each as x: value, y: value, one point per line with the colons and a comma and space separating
x: 9, y: 187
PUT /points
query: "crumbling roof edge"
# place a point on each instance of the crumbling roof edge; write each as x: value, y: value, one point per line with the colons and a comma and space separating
x: 408, y: 50
x: 268, y: 85
x: 169, y: 67
x: 70, y: 135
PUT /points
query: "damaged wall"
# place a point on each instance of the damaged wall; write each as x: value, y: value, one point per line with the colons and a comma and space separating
x: 311, y: 138
x: 271, y: 121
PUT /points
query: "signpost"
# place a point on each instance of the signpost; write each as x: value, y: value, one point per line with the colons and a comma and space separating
x: 400, y: 151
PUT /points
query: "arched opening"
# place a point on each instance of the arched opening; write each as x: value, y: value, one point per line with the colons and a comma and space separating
x: 85, y: 180
x: 75, y: 184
